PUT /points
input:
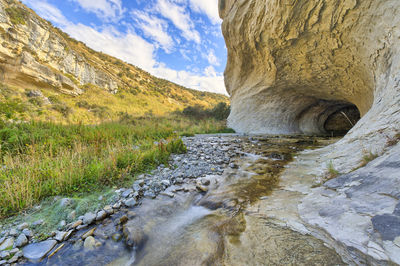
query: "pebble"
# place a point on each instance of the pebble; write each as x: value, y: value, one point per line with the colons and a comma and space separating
x: 76, y: 224
x: 60, y: 236
x: 13, y: 232
x: 27, y: 232
x: 130, y: 202
x: 89, y: 218
x: 127, y: 193
x: 101, y: 215
x: 7, y: 244
x: 108, y: 209
x: 22, y: 226
x: 21, y: 241
x: 88, y: 233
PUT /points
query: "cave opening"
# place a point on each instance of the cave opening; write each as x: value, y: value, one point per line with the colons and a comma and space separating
x: 341, y: 121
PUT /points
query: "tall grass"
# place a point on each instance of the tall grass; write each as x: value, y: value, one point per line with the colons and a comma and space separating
x: 39, y: 159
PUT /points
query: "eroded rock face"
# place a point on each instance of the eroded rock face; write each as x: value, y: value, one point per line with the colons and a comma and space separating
x: 33, y: 55
x: 292, y: 64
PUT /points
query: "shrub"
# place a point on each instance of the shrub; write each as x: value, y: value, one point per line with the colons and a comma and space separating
x: 220, y: 111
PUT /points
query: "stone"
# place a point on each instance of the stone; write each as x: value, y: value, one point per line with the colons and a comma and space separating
x: 205, y: 181
x: 37, y: 251
x: 4, y: 254
x: 116, y: 237
x: 14, y: 250
x: 117, y: 205
x: 134, y: 235
x: 21, y: 241
x: 89, y: 218
x: 7, y: 244
x: 90, y: 243
x: 168, y: 194
x: 3, y: 262
x: 166, y: 183
x: 22, y: 226
x: 88, y: 233
x: 13, y: 232
x: 60, y: 236
x: 101, y: 215
x: 37, y: 223
x: 108, y: 209
x: 27, y: 232
x: 72, y: 215
x: 202, y: 188
x: 130, y: 203
x: 127, y: 193
x: 149, y: 194
x: 76, y: 224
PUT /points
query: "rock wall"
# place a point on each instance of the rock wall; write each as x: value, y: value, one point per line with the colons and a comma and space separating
x: 292, y: 64
x: 33, y: 54
x: 293, y: 67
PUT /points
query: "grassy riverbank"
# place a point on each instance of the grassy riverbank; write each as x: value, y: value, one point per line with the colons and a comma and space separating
x: 40, y: 160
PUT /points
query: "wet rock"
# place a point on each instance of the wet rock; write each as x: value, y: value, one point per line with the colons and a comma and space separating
x: 7, y: 244
x: 37, y: 251
x: 101, y: 215
x: 134, y: 235
x: 116, y: 237
x: 21, y: 241
x: 89, y: 218
x: 88, y: 233
x: 205, y: 181
x: 168, y: 194
x: 202, y: 188
x: 108, y: 209
x: 90, y: 243
x: 76, y: 224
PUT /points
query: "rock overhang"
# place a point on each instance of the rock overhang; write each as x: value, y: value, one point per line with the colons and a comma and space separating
x: 291, y: 65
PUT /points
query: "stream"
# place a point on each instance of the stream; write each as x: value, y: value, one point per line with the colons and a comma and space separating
x: 226, y: 224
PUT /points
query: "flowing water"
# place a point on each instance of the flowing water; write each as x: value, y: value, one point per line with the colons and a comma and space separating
x: 220, y: 227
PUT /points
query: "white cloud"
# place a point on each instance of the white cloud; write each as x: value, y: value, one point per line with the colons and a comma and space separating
x: 127, y: 46
x: 154, y: 28
x: 180, y: 17
x: 104, y: 9
x: 212, y: 59
x: 208, y: 7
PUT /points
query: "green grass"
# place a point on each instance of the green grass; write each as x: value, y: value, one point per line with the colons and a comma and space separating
x: 332, y: 172
x: 40, y: 160
x: 17, y: 15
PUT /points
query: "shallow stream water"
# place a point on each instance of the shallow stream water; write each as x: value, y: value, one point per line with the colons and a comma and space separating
x: 217, y: 227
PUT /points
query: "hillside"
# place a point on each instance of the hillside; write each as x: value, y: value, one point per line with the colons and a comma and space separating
x: 52, y: 77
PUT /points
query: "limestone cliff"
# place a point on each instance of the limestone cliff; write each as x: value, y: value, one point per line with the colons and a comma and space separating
x: 292, y: 65
x: 306, y: 66
x: 33, y: 53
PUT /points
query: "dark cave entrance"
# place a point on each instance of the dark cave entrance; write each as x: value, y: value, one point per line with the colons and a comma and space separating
x: 341, y: 121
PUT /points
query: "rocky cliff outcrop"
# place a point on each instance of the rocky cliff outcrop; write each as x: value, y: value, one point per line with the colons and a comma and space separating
x: 35, y: 54
x: 294, y: 64
x: 305, y: 67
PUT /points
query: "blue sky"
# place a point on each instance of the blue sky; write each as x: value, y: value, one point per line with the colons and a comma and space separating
x: 179, y: 40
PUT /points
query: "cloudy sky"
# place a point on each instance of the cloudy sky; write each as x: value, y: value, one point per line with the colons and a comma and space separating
x: 179, y: 40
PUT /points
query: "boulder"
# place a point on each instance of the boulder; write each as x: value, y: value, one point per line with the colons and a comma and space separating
x: 37, y: 251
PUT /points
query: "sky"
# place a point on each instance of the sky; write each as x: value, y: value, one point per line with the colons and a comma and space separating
x: 178, y: 40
